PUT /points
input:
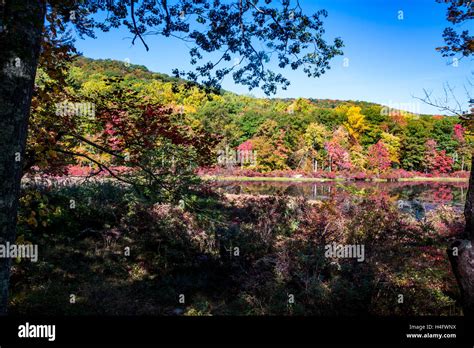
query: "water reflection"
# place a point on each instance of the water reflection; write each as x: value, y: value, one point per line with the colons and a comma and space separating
x: 415, y: 198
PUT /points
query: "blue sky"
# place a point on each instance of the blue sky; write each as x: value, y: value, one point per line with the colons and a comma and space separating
x: 389, y: 60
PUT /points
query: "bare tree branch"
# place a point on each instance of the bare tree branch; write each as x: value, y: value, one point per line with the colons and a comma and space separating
x: 443, y: 105
x: 137, y: 33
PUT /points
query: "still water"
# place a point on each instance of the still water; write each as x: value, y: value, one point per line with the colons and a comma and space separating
x: 413, y: 197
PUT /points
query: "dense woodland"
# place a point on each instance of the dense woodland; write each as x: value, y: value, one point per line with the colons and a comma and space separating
x: 307, y: 135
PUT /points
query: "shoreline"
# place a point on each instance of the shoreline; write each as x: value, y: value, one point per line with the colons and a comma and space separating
x: 303, y: 179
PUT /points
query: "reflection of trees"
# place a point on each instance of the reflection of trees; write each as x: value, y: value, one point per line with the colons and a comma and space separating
x: 442, y: 194
x: 427, y: 192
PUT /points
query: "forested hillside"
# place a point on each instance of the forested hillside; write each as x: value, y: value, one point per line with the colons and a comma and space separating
x: 283, y: 134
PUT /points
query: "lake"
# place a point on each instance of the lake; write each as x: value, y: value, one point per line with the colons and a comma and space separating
x: 415, y: 198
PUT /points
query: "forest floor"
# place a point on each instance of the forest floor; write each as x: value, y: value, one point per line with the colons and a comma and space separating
x: 113, y: 254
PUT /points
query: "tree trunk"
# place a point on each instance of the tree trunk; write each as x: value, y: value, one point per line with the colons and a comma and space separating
x: 469, y: 206
x: 461, y: 252
x: 20, y: 41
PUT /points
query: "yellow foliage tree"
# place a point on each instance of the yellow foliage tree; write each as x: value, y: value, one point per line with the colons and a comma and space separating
x: 355, y: 124
x: 315, y: 136
x: 358, y: 158
x: 301, y: 105
x: 392, y: 143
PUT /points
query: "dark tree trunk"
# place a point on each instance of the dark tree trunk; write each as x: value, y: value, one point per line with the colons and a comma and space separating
x: 469, y: 207
x: 20, y: 41
x: 461, y: 252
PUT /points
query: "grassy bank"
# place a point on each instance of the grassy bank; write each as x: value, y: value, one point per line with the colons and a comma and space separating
x: 261, y: 178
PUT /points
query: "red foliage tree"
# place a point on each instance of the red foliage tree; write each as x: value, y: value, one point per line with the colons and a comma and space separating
x: 443, y: 163
x: 378, y: 157
x: 430, y: 155
x: 339, y: 157
x: 436, y: 161
x: 245, y: 146
x: 459, y: 131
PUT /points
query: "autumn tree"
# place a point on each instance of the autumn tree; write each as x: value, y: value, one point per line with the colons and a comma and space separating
x: 358, y: 156
x: 356, y: 123
x: 315, y: 137
x: 270, y: 147
x: 338, y: 156
x: 392, y: 143
x: 430, y: 155
x: 436, y: 161
x: 301, y: 105
x: 378, y: 157
x: 463, y: 148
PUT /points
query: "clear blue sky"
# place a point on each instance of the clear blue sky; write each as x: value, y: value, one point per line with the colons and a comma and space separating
x: 390, y: 60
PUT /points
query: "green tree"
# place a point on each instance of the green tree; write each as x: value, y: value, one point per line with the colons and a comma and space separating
x: 315, y: 138
x: 442, y: 133
x: 413, y: 146
x: 392, y: 143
